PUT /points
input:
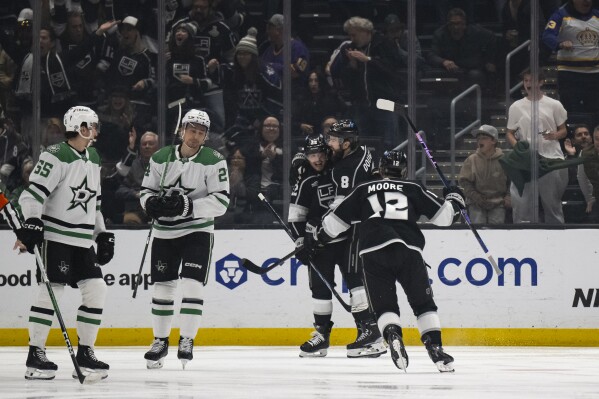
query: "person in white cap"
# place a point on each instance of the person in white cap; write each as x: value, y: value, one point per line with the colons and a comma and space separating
x: 132, y: 65
x: 483, y: 180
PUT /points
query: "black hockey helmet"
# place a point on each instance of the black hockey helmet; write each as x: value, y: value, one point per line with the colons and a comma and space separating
x: 315, y: 143
x: 393, y: 163
x: 345, y: 128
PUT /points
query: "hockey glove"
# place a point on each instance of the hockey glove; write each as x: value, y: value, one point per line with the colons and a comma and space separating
x: 32, y: 233
x: 177, y: 205
x: 455, y: 195
x: 105, y: 251
x: 153, y: 207
x: 314, y: 243
x: 303, y: 255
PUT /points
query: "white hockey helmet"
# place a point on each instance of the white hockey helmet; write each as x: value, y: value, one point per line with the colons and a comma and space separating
x: 78, y: 115
x: 196, y: 117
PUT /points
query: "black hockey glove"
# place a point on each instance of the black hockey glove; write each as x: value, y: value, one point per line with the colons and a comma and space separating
x: 177, y: 205
x: 32, y: 233
x: 315, y: 241
x: 303, y: 255
x: 153, y: 207
x: 455, y: 195
x: 105, y: 251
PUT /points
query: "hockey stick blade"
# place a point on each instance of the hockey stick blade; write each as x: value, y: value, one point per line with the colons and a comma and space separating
x: 176, y: 102
x: 254, y: 268
x: 388, y: 105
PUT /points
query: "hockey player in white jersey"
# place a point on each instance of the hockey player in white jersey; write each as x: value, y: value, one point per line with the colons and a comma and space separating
x: 391, y: 245
x: 61, y: 208
x: 185, y: 187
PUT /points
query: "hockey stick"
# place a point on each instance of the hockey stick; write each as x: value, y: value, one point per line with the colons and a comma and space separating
x: 288, y: 231
x: 138, y: 278
x: 254, y: 268
x: 15, y: 222
x: 391, y: 106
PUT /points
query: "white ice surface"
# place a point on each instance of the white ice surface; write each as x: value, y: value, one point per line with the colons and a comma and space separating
x: 278, y: 372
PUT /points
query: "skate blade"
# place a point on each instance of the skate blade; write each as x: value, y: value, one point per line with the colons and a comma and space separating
x: 154, y: 364
x: 374, y: 350
x: 184, y: 362
x: 91, y: 375
x: 445, y: 368
x: 36, y: 374
x: 400, y: 358
x: 319, y: 353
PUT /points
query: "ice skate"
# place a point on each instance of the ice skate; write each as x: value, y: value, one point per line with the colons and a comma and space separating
x: 158, y: 351
x: 442, y: 360
x: 369, y: 342
x: 88, y: 363
x: 319, y: 343
x: 38, y: 365
x: 393, y: 336
x: 185, y: 352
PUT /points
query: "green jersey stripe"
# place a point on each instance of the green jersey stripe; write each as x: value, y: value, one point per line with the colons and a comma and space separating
x: 40, y: 321
x: 88, y: 320
x: 159, y: 312
x: 191, y: 226
x: 35, y: 195
x: 68, y: 233
x: 191, y: 311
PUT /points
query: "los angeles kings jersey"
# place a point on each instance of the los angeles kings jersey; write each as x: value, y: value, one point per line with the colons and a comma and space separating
x: 65, y: 192
x: 204, y: 178
x: 387, y: 210
x: 310, y: 199
x: 350, y: 171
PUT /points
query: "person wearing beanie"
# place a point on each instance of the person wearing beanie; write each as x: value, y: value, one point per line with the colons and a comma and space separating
x: 248, y: 43
x: 248, y: 93
x: 185, y: 69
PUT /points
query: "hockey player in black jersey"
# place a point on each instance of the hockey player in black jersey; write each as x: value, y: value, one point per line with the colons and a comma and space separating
x: 352, y: 165
x: 391, y: 245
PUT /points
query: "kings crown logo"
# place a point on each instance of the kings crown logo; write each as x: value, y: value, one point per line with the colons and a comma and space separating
x: 588, y: 38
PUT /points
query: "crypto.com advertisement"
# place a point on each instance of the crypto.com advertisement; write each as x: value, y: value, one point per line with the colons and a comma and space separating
x: 550, y: 279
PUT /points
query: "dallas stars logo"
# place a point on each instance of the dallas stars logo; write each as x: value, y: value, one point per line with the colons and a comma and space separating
x: 82, y: 194
x: 177, y: 186
x: 63, y: 267
x: 161, y: 267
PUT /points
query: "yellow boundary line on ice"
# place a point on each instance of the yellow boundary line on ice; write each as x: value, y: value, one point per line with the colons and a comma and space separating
x: 339, y: 336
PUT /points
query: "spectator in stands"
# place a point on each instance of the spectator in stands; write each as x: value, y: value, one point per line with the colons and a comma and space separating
x: 590, y: 154
x: 116, y: 119
x: 572, y: 31
x: 238, y: 193
x: 314, y: 103
x: 215, y: 42
x: 13, y: 152
x: 22, y: 182
x: 272, y: 56
x: 81, y: 49
x: 396, y: 30
x: 132, y: 66
x: 248, y: 92
x: 365, y: 68
x: 132, y: 168
x: 583, y: 140
x: 552, y: 122
x: 264, y: 165
x: 464, y: 51
x: 185, y: 70
x: 7, y: 75
x: 53, y: 133
x: 483, y: 180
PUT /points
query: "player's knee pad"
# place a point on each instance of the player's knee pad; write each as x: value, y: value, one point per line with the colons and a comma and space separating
x: 427, y: 322
x: 93, y: 292
x: 43, y: 297
x: 192, y: 288
x: 358, y: 299
x: 322, y: 307
x: 165, y: 290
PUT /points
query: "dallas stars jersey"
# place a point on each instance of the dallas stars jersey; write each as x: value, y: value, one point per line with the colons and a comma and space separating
x: 65, y: 192
x: 388, y: 210
x: 204, y: 178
